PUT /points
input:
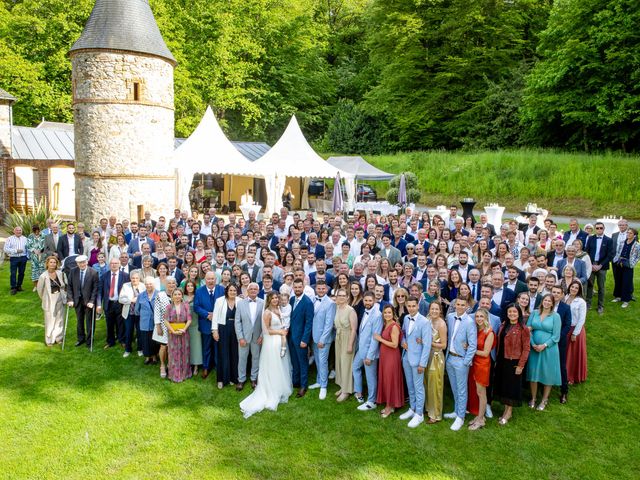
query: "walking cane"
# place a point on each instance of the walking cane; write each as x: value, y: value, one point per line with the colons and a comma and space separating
x: 93, y: 328
x: 64, y: 333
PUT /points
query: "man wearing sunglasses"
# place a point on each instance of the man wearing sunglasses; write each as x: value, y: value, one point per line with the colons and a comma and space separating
x: 601, y: 251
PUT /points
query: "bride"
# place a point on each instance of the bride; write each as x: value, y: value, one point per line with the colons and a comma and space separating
x: 274, y: 374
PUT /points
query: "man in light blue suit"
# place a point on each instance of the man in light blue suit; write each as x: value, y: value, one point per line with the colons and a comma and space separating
x: 322, y: 335
x: 462, y: 342
x: 415, y: 357
x: 367, y: 353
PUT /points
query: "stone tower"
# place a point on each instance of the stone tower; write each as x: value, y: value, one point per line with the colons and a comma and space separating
x: 122, y: 73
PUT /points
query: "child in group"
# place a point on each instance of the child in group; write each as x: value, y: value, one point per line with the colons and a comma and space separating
x: 285, y: 316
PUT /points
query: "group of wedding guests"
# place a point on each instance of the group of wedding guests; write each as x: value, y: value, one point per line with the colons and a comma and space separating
x: 382, y: 305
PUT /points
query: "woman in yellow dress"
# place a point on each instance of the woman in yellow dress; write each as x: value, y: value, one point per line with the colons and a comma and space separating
x: 434, y: 379
x: 346, y: 325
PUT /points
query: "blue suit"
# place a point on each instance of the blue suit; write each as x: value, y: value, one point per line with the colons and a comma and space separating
x: 203, y: 304
x: 134, y: 246
x: 564, y: 311
x: 112, y: 309
x: 322, y: 332
x: 368, y: 348
x: 582, y: 236
x: 580, y: 267
x: 458, y: 362
x: 300, y: 332
x: 416, y: 355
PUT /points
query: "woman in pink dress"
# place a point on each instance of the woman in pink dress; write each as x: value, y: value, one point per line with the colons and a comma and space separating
x: 177, y: 318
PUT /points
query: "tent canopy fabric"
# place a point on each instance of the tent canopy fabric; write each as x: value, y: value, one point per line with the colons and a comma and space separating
x: 208, y: 150
x: 292, y: 156
x: 359, y: 167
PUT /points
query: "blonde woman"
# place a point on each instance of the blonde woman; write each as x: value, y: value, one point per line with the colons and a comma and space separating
x: 51, y: 289
x: 480, y: 369
x: 346, y: 325
x: 434, y: 378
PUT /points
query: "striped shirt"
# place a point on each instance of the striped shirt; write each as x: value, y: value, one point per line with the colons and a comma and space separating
x: 13, y: 244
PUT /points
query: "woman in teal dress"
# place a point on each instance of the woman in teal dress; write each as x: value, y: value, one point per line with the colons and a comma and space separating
x: 35, y: 246
x: 544, y: 359
x: 195, y: 339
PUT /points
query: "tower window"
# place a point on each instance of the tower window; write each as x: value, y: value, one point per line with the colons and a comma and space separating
x: 136, y: 91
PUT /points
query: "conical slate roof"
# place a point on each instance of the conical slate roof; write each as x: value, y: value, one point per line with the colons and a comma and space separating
x: 126, y: 25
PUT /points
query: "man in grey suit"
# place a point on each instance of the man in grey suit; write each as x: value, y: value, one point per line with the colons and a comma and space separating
x: 248, y: 325
x: 389, y: 251
x: 367, y: 353
x: 51, y: 241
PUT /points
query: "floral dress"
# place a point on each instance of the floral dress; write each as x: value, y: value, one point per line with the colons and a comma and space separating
x: 179, y: 353
x: 35, y: 247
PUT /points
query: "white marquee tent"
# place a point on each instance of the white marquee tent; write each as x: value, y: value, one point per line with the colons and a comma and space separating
x: 208, y: 151
x: 359, y: 167
x: 292, y: 156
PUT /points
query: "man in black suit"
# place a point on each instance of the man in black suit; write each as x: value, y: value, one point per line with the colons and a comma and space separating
x: 533, y: 283
x: 82, y: 293
x: 502, y: 296
x: 174, y: 270
x: 151, y: 224
x: 565, y: 317
x: 195, y: 235
x: 108, y: 292
x: 513, y: 282
x: 601, y: 251
x: 617, y: 240
x: 554, y: 256
x: 484, y: 222
x: 69, y: 244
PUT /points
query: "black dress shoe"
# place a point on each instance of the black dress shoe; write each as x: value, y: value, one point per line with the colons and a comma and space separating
x: 20, y: 289
x: 80, y: 342
x: 13, y: 291
x: 563, y: 398
x: 239, y: 386
x: 301, y: 393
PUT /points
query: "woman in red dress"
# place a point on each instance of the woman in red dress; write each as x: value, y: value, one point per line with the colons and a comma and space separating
x: 480, y: 369
x: 390, y: 386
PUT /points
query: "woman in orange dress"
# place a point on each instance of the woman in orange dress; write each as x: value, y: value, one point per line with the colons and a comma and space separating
x: 480, y: 369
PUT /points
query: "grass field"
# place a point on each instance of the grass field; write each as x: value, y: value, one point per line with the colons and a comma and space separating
x: 78, y: 415
x: 564, y: 183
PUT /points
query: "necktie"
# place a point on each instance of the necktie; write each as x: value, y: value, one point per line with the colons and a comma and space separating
x: 295, y: 303
x: 122, y: 269
x: 112, y: 288
x: 81, y: 278
x: 211, y: 296
x: 473, y: 291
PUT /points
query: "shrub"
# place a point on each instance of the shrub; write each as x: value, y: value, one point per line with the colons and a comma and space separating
x: 411, y: 182
x: 41, y: 212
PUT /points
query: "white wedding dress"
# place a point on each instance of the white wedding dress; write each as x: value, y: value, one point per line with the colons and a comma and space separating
x: 274, y: 374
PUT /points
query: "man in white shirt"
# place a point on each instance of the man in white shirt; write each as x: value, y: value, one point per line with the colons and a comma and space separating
x: 16, y: 248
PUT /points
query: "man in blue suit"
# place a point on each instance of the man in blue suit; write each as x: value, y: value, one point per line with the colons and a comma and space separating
x: 299, y: 336
x: 501, y: 296
x: 203, y: 304
x: 462, y: 343
x: 174, y: 271
x: 367, y: 353
x: 574, y: 233
x: 416, y: 347
x: 579, y: 265
x: 601, y: 251
x: 322, y: 333
x: 135, y: 247
x: 108, y: 293
x: 565, y: 317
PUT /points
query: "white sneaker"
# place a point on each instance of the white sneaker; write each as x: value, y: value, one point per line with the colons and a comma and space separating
x: 415, y: 421
x: 367, y: 406
x: 332, y: 374
x: 140, y: 353
x: 450, y: 415
x: 126, y: 354
x: 314, y: 386
x: 311, y: 360
x: 616, y: 300
x: 488, y: 413
x: 457, y: 424
x: 407, y: 415
x: 625, y: 304
x: 323, y: 394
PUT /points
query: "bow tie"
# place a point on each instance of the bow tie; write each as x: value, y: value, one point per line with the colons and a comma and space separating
x: 318, y: 299
x: 367, y: 312
x: 252, y: 301
x: 458, y: 319
x: 411, y: 319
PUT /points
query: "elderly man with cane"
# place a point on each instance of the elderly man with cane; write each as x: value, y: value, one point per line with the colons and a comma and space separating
x: 82, y: 293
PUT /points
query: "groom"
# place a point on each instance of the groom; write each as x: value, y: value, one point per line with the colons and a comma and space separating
x: 299, y: 335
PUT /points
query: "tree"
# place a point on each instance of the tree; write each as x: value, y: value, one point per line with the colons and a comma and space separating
x: 585, y: 90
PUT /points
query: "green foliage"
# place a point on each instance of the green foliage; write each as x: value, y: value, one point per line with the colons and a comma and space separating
x: 585, y: 91
x: 411, y: 184
x: 350, y: 130
x: 41, y: 212
x: 563, y: 183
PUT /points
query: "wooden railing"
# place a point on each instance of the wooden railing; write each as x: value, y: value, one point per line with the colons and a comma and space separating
x: 21, y: 200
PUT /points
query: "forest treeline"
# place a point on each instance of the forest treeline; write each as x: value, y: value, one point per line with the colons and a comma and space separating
x: 368, y: 76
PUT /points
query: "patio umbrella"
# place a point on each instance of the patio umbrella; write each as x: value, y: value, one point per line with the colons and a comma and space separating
x: 337, y: 195
x: 402, y: 191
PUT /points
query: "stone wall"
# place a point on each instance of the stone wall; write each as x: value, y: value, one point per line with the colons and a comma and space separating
x: 5, y: 152
x: 123, y: 144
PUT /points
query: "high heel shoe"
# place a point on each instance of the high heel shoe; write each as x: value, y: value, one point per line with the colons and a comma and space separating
x: 503, y: 421
x: 532, y: 404
x: 542, y: 405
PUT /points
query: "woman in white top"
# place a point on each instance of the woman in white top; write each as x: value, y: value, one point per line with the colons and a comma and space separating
x: 128, y: 297
x: 577, y: 348
x: 118, y: 249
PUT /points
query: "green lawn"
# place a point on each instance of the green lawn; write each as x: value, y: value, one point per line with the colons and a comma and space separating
x: 572, y: 184
x: 78, y: 415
